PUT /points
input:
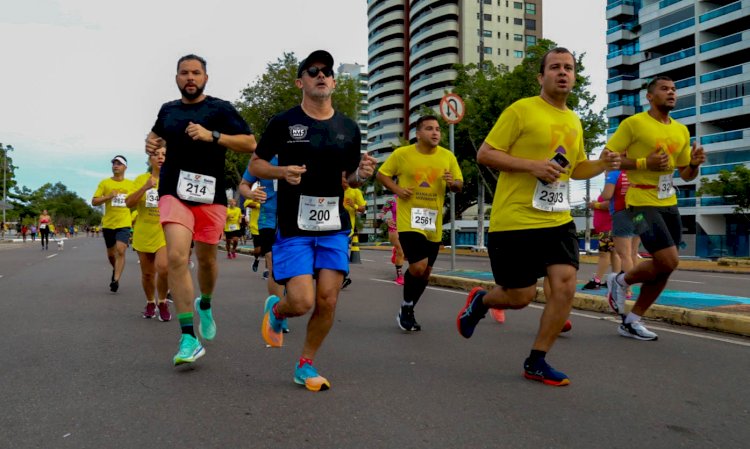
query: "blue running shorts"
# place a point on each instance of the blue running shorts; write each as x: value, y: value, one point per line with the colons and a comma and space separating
x: 301, y: 255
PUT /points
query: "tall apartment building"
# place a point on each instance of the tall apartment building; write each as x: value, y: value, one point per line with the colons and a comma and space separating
x: 354, y: 70
x: 704, y: 45
x: 413, y: 45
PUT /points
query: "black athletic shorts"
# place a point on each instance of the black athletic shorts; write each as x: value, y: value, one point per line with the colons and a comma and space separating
x: 232, y: 234
x: 265, y: 240
x: 112, y: 236
x: 519, y: 258
x: 658, y: 227
x: 416, y: 247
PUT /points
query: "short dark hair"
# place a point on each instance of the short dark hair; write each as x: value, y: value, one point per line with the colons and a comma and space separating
x: 191, y: 57
x: 423, y: 119
x: 652, y: 84
x: 559, y: 50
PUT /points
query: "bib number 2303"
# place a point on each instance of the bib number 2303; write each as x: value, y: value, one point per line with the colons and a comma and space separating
x: 318, y: 213
x: 196, y: 187
x: 551, y: 197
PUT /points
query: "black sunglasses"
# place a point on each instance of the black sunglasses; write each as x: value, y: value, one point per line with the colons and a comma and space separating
x: 313, y: 71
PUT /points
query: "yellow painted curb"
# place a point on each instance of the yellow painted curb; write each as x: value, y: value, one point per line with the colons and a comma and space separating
x: 715, y: 321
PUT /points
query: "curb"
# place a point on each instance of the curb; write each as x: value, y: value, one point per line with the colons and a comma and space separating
x: 714, y: 321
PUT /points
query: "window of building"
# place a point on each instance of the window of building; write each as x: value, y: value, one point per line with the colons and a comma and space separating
x: 518, y: 53
x: 530, y: 40
x: 485, y: 33
x: 507, y: 36
x: 487, y: 2
x: 487, y: 50
x: 499, y: 19
x: 499, y: 51
x: 517, y: 21
x: 517, y: 5
x: 507, y: 52
x: 518, y: 37
x: 499, y: 35
x: 488, y: 17
x: 531, y: 9
x: 506, y: 19
x: 530, y: 24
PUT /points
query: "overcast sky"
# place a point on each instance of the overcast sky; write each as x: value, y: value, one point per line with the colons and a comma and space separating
x: 82, y: 80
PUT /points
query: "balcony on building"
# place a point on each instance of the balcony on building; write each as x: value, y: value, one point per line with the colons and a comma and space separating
x: 420, y: 16
x: 442, y: 76
x: 441, y: 45
x: 726, y: 109
x: 725, y: 141
x: 620, y: 9
x: 652, y: 9
x: 622, y: 32
x: 722, y: 15
x: 622, y: 108
x: 676, y: 31
x: 724, y: 46
x: 623, y: 83
x: 380, y: 74
x: 659, y: 64
x: 625, y: 58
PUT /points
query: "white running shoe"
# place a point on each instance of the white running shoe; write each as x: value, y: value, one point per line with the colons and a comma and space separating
x: 616, y: 294
x: 636, y: 330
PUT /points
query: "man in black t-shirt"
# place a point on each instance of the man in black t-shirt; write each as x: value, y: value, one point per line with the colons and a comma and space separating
x: 315, y: 145
x: 197, y: 130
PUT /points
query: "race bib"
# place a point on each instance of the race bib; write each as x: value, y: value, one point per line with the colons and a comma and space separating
x: 665, y: 187
x: 275, y: 185
x: 552, y: 197
x: 152, y: 198
x: 234, y: 227
x: 43, y: 226
x: 118, y: 200
x: 424, y: 219
x: 196, y: 187
x: 318, y: 213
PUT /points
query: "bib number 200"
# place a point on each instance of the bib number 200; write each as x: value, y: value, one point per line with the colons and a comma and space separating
x: 319, y: 215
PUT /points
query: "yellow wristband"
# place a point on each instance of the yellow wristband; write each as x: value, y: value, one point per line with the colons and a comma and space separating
x: 640, y: 164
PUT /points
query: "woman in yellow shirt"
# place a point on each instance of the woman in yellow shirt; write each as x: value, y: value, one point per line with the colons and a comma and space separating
x: 148, y: 238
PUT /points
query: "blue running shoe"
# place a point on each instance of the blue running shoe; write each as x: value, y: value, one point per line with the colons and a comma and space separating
x: 308, y: 376
x: 190, y: 350
x: 271, y: 328
x: 473, y: 311
x: 542, y: 372
x: 207, y: 325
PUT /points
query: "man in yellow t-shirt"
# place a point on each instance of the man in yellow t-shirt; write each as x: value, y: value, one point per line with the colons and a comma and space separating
x: 354, y: 203
x: 537, y: 144
x: 232, y: 228
x: 655, y: 145
x: 252, y: 214
x: 425, y: 171
x: 116, y: 222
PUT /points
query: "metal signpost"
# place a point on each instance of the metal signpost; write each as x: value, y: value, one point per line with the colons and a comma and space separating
x: 452, y: 110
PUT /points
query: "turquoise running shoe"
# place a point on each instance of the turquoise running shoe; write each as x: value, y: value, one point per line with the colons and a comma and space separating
x: 308, y: 376
x: 271, y: 328
x: 190, y: 350
x: 207, y: 325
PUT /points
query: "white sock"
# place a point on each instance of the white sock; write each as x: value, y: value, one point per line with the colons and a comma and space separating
x: 632, y: 318
x: 407, y: 304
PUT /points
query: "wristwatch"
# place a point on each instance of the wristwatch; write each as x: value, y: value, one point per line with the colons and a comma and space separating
x: 216, y: 135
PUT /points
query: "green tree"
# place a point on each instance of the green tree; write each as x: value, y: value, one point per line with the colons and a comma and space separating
x: 733, y: 185
x: 486, y: 94
x: 274, y: 92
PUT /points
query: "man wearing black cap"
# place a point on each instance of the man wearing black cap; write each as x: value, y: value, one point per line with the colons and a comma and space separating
x: 315, y: 145
x: 197, y: 130
x: 116, y: 222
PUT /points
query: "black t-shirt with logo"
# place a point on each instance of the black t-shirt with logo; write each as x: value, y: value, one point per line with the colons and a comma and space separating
x: 195, y: 156
x: 325, y: 147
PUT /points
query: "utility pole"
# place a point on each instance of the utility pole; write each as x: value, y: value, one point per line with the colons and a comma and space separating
x: 480, y: 179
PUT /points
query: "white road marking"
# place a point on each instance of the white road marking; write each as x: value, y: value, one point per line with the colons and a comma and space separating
x: 51, y: 256
x: 737, y: 278
x: 687, y: 282
x: 608, y: 318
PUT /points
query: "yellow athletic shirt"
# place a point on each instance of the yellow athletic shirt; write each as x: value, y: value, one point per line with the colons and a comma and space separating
x: 423, y: 174
x: 533, y: 129
x: 148, y: 234
x: 117, y: 216
x: 233, y: 219
x: 358, y: 200
x: 641, y: 135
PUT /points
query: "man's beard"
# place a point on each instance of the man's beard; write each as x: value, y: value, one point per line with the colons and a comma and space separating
x: 198, y: 92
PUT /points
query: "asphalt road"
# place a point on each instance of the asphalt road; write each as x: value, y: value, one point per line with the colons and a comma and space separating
x: 81, y: 369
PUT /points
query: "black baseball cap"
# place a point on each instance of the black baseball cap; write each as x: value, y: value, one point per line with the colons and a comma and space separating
x: 316, y: 56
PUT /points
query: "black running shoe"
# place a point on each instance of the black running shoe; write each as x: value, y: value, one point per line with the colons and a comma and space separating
x: 346, y: 283
x: 113, y: 286
x: 592, y: 285
x: 473, y: 311
x: 406, y: 320
x: 255, y: 265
